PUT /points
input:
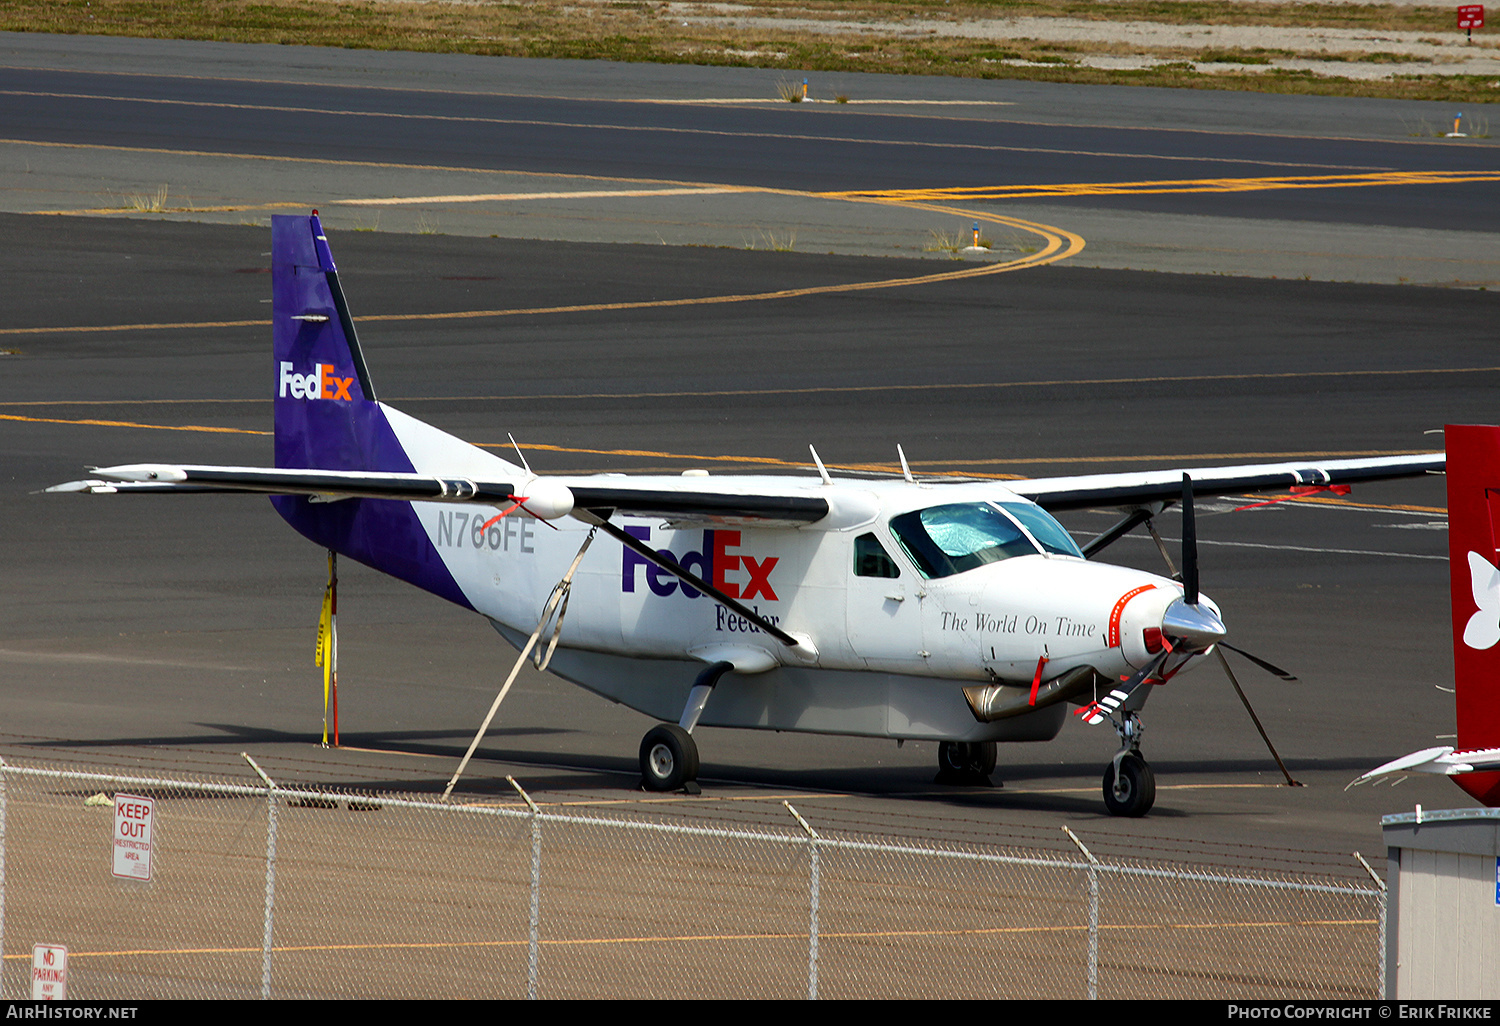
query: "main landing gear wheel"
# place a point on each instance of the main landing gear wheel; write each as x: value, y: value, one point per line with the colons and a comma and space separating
x: 965, y: 762
x: 669, y: 758
x: 1133, y: 792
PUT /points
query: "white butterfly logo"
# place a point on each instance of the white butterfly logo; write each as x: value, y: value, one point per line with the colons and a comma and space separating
x: 1483, y: 629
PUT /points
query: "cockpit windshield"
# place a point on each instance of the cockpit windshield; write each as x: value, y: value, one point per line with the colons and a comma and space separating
x: 947, y: 540
x: 1051, y: 535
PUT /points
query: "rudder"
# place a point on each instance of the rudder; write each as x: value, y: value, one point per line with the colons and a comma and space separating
x: 325, y: 409
x: 327, y: 416
x: 1474, y: 555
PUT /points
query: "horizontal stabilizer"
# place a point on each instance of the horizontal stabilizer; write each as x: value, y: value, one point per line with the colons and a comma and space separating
x: 1443, y: 760
x: 264, y: 481
x: 547, y: 498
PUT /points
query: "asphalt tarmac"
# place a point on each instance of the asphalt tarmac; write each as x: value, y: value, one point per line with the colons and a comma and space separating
x: 1173, y: 180
x: 175, y: 634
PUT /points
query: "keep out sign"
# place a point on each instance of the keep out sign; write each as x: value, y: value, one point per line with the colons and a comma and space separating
x: 135, y: 821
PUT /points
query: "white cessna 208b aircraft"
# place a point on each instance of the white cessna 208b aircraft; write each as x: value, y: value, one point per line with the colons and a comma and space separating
x: 961, y: 613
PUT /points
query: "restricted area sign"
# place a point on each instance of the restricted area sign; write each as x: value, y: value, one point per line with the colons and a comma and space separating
x: 49, y: 972
x: 135, y: 820
x: 1471, y: 16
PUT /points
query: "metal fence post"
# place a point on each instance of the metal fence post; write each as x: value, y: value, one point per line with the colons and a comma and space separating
x: 1381, y: 902
x: 3, y: 804
x: 534, y: 942
x: 270, y: 913
x: 1093, y: 915
x: 813, y: 887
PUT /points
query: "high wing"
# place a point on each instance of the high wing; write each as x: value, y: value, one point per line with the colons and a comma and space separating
x: 787, y: 502
x: 1139, y: 489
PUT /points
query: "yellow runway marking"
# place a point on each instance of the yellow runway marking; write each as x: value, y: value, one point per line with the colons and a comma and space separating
x: 698, y: 938
x: 131, y: 424
x: 510, y: 197
x: 1152, y: 188
x: 334, y: 162
x: 661, y: 129
x: 715, y: 101
x: 802, y: 796
x: 809, y: 390
x: 975, y: 385
x: 1323, y: 500
x: 132, y: 402
x: 877, y: 468
x: 157, y: 326
x: 891, y: 468
x: 225, y: 209
x: 1059, y: 244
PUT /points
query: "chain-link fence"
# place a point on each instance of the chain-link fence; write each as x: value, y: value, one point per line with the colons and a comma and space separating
x: 280, y: 892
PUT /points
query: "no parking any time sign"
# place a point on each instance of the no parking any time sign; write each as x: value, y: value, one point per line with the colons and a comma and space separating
x: 135, y: 820
x: 49, y: 972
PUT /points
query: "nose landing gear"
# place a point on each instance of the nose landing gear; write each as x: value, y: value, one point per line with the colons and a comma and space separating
x: 1129, y: 784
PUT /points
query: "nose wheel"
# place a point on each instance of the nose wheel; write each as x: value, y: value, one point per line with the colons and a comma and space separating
x: 1129, y: 784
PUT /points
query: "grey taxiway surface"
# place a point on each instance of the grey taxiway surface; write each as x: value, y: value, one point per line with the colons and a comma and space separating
x: 175, y: 634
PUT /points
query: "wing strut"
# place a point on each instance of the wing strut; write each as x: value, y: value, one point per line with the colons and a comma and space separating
x: 671, y: 566
x: 557, y: 603
x: 1133, y: 519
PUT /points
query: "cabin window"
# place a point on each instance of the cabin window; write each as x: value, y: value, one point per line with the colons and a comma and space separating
x: 947, y: 540
x: 870, y: 560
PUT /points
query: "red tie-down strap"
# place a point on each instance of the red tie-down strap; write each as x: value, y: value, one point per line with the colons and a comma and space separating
x: 517, y: 499
x: 1298, y: 492
x: 1036, y: 679
x: 520, y: 503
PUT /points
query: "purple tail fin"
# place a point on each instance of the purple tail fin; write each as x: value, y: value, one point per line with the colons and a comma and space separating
x: 326, y: 414
x: 327, y: 417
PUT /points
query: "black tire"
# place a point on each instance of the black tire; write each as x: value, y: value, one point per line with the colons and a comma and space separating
x: 669, y: 758
x: 966, y: 762
x: 1137, y: 787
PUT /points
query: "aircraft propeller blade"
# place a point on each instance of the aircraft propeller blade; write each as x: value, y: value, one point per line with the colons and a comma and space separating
x: 1189, y: 545
x: 1254, y: 718
x: 1271, y: 668
x: 1190, y: 599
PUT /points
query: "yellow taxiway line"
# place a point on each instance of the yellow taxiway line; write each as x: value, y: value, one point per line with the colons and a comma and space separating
x: 1058, y: 244
x: 699, y: 938
x: 1167, y: 186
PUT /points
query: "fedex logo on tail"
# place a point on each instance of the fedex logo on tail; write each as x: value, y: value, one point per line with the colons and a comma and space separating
x: 320, y: 384
x: 713, y: 563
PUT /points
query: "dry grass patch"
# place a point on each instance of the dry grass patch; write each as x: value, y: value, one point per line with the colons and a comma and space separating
x: 881, y: 39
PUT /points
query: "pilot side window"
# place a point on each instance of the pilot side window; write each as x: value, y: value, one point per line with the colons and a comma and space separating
x: 870, y: 559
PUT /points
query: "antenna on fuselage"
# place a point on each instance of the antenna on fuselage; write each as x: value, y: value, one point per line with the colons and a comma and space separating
x: 905, y: 470
x: 516, y: 447
x: 822, y: 471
